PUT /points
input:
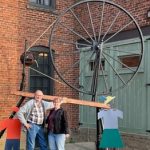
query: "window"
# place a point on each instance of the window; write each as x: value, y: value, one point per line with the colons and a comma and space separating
x: 130, y: 60
x: 92, y: 65
x: 43, y: 3
x: 43, y: 65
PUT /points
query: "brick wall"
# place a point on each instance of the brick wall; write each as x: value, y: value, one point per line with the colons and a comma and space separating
x: 20, y: 22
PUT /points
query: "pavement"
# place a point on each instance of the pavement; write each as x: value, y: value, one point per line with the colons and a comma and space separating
x: 80, y: 146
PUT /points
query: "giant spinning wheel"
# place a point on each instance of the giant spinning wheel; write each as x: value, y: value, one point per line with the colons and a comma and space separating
x: 88, y: 30
x: 89, y: 27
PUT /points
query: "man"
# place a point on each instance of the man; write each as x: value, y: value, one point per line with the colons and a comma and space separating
x: 32, y: 116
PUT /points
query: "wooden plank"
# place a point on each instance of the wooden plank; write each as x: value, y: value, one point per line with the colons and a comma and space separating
x: 66, y: 100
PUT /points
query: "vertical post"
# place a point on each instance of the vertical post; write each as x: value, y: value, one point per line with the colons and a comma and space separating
x: 97, y: 62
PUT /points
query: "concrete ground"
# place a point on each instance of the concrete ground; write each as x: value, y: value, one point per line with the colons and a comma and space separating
x: 80, y: 146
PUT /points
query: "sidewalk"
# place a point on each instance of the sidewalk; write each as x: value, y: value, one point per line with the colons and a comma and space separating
x: 80, y: 146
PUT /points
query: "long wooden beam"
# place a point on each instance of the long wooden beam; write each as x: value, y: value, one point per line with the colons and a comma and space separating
x: 66, y: 100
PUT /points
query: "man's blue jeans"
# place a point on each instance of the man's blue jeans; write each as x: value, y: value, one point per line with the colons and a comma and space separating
x: 36, y: 131
x: 56, y: 141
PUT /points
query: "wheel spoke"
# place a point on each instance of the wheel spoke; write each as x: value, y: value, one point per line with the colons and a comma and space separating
x: 65, y: 26
x: 91, y: 20
x: 72, y: 66
x: 81, y: 25
x: 46, y: 75
x: 77, y: 81
x: 71, y: 43
x: 119, y: 62
x: 115, y: 70
x: 118, y: 31
x: 68, y: 53
x: 110, y: 26
x: 101, y: 21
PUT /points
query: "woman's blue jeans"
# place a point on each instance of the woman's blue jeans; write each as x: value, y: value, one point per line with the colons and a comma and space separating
x: 36, y: 131
x: 56, y: 141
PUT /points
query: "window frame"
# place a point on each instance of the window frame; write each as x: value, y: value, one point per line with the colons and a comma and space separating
x: 35, y: 5
x: 50, y: 90
x: 126, y: 62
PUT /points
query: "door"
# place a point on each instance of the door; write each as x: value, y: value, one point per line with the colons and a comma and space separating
x: 131, y: 99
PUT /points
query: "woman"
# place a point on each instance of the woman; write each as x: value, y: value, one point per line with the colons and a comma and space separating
x: 57, y: 126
